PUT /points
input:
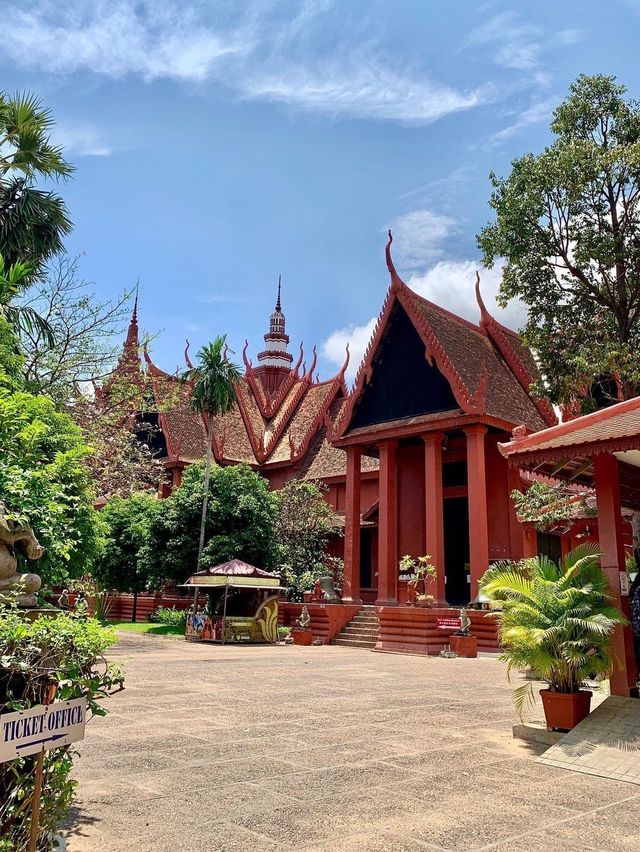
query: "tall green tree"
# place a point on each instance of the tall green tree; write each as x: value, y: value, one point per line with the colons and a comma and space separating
x: 33, y: 219
x: 568, y: 228
x: 212, y: 394
x: 239, y: 524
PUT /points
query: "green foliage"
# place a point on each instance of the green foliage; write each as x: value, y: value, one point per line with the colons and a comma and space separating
x: 547, y: 506
x: 424, y: 574
x: 126, y: 522
x: 239, y: 523
x: 33, y: 220
x: 212, y: 393
x: 303, y: 526
x: 44, y: 483
x: 65, y: 652
x: 23, y: 319
x: 568, y: 227
x: 169, y: 615
x: 555, y: 620
x: 11, y: 358
x: 213, y: 379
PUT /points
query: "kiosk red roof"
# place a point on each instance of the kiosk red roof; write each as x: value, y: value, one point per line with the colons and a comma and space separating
x: 235, y: 568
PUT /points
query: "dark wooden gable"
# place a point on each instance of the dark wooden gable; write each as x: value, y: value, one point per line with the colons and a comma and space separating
x: 403, y: 383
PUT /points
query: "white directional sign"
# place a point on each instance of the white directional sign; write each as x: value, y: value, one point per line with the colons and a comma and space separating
x: 41, y: 727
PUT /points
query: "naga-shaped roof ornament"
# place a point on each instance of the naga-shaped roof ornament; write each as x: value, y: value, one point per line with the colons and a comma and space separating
x: 396, y: 281
x: 485, y: 316
x: 313, y: 363
x: 347, y: 358
x: 296, y: 369
x: 187, y: 360
x: 247, y: 363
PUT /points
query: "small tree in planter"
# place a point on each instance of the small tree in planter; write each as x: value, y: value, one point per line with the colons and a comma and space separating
x: 424, y: 574
x: 556, y: 620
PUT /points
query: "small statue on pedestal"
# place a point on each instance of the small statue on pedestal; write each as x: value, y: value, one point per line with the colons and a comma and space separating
x: 22, y: 587
x: 304, y: 620
x: 465, y: 623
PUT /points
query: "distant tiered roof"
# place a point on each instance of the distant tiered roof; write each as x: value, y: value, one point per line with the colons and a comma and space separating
x: 283, y: 417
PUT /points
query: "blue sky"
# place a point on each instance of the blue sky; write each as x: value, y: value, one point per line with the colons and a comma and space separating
x: 219, y: 144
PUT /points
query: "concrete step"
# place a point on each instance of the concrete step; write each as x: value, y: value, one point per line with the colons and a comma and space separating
x: 351, y: 630
x: 354, y: 643
x: 366, y: 619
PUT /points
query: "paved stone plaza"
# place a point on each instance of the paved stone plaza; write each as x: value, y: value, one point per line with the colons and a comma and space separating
x: 268, y: 748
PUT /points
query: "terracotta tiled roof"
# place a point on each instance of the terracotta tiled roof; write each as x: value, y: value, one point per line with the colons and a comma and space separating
x: 478, y: 363
x: 613, y: 428
x: 323, y: 460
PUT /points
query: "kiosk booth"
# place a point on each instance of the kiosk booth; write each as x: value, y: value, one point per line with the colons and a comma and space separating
x: 233, y: 602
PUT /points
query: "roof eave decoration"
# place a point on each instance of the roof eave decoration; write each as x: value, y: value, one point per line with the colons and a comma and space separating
x: 499, y: 335
x: 396, y: 282
x: 187, y: 360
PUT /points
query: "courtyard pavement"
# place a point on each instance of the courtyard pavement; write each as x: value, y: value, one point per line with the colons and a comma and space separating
x: 278, y: 748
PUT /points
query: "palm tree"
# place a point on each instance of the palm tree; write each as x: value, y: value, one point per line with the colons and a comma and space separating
x: 21, y: 318
x: 554, y: 619
x: 33, y: 221
x: 212, y: 394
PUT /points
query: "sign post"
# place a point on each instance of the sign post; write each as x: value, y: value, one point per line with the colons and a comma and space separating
x: 35, y: 731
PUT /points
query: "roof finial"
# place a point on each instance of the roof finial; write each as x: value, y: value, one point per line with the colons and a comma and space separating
x: 187, y: 360
x: 278, y: 306
x: 134, y: 316
x: 346, y: 362
x: 396, y: 281
x: 247, y: 363
x: 485, y: 316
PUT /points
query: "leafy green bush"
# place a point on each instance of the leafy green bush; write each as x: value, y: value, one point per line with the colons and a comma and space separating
x: 126, y: 522
x: 239, y: 524
x: 169, y: 615
x: 65, y: 652
x: 45, y: 483
x: 303, y: 526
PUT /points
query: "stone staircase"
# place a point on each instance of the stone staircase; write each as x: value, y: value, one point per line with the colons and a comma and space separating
x: 361, y: 631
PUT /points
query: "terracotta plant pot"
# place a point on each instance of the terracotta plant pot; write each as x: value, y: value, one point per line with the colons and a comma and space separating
x: 464, y: 646
x: 563, y: 710
x: 301, y: 637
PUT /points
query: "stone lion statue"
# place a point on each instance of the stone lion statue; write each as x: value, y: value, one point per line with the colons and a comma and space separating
x: 26, y: 585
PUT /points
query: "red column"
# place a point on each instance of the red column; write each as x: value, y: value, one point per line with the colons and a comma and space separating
x: 351, y: 586
x: 434, y: 523
x: 515, y: 527
x: 477, y: 490
x: 388, y: 526
x: 529, y: 540
x: 607, y: 482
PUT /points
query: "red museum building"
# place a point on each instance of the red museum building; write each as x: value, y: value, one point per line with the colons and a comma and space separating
x: 410, y: 457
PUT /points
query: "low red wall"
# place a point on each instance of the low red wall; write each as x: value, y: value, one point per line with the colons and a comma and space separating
x: 413, y: 630
x: 122, y: 605
x: 327, y: 620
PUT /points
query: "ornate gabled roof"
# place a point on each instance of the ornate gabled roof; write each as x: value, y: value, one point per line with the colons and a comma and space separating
x: 246, y: 433
x: 481, y: 378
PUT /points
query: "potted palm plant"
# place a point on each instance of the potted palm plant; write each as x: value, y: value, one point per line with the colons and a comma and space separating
x: 557, y: 620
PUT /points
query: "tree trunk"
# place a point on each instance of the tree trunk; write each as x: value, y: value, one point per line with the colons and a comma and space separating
x: 205, y: 496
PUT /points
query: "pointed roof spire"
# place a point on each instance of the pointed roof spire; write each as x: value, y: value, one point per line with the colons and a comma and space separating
x: 396, y: 281
x: 485, y: 316
x: 131, y: 342
x: 278, y: 305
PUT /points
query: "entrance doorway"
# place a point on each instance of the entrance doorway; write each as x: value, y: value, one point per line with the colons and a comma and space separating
x: 456, y: 551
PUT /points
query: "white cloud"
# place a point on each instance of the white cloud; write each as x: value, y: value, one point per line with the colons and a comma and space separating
x: 514, y: 44
x: 80, y: 139
x: 537, y: 113
x: 357, y: 336
x: 152, y: 40
x: 418, y: 237
x: 250, y: 48
x: 449, y: 284
x: 361, y: 86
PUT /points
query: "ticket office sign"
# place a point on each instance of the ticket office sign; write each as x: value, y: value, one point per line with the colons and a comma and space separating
x: 42, y: 727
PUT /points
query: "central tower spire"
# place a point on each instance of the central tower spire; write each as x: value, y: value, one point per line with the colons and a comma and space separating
x: 275, y: 361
